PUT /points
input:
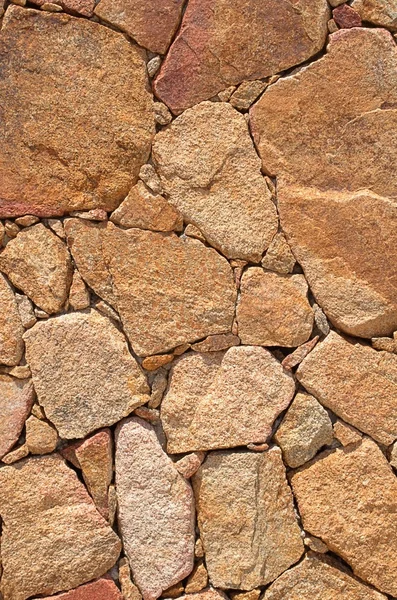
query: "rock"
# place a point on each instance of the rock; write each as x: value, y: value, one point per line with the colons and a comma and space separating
x: 20, y: 371
x: 314, y: 579
x: 246, y: 518
x: 85, y: 8
x: 11, y: 329
x: 393, y: 456
x: 96, y: 214
x: 296, y: 357
x: 349, y: 499
x: 146, y: 210
x: 279, y: 257
x: 27, y: 221
x: 15, y: 455
x: 252, y: 595
x: 208, y: 594
x: 101, y: 589
x: 41, y: 437
x: 159, y: 386
x: 175, y: 591
x: 148, y: 175
x: 152, y: 363
x: 107, y: 311
x: 156, y: 510
x: 224, y: 399
x: 386, y: 343
x: 346, y: 434
x: 198, y: 579
x: 38, y: 263
x: 346, y: 17
x: 320, y: 320
x: 274, y: 309
x: 211, y: 173
x: 198, y: 549
x: 16, y: 400
x: 315, y: 544
x: 194, y: 232
x: 151, y: 23
x: 205, y: 59
x: 11, y: 229
x: 74, y: 150
x: 51, y: 7
x: 188, y: 465
x: 153, y: 66
x: 247, y: 93
x: 57, y: 227
x: 357, y: 383
x: 382, y: 13
x: 161, y: 114
x: 84, y: 376
x: 128, y: 589
x: 305, y: 429
x: 48, y: 515
x: 332, y: 26
x: 79, y: 296
x: 26, y: 311
x: 215, y: 343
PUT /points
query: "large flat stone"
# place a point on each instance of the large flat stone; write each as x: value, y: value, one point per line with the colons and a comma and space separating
x: 16, y: 399
x: 11, y: 329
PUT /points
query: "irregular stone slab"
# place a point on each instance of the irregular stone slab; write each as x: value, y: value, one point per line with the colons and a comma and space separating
x: 84, y: 376
x: 224, y: 399
x: 16, y: 400
x: 215, y: 343
x: 246, y: 518
x: 274, y: 309
x: 38, y: 263
x: 346, y: 17
x: 314, y: 579
x: 41, y: 437
x: 53, y: 537
x: 102, y: 589
x: 211, y: 173
x: 349, y: 500
x: 296, y: 357
x: 11, y: 329
x: 378, y: 12
x: 279, y: 257
x: 357, y: 383
x: 346, y: 434
x: 152, y: 23
x: 156, y: 510
x: 74, y: 150
x: 205, y: 58
x: 79, y: 296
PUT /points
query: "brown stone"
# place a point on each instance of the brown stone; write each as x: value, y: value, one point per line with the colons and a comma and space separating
x: 11, y: 329
x: 161, y: 114
x: 357, y: 383
x: 208, y: 594
x: 17, y: 454
x: 128, y: 588
x: 156, y: 510
x: 102, y: 589
x: 149, y: 176
x: 205, y: 58
x: 79, y: 296
x: 78, y: 138
x: 393, y: 456
x: 346, y: 17
x: 279, y: 257
x: 41, y: 437
x: 247, y: 93
x: 194, y: 232
x: 27, y: 220
x: 215, y: 343
x: 345, y: 433
x: 252, y: 595
x: 53, y: 538
x: 149, y: 414
x: 83, y: 373
x: 246, y: 518
x: 175, y: 591
x: 224, y: 399
x: 349, y: 500
x: 198, y: 579
x: 38, y: 263
x: 96, y: 214
x: 382, y: 13
x: 26, y: 311
x: 385, y: 343
x: 296, y: 357
x: 211, y: 173
x: 189, y: 464
x: 152, y: 363
x: 16, y: 399
x: 85, y: 8
x: 159, y: 386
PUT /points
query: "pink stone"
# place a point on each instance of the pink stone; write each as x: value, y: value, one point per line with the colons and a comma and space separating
x: 16, y: 399
x: 102, y: 589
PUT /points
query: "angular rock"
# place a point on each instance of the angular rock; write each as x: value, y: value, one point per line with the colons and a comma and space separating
x: 224, y: 399
x: 246, y: 518
x: 279, y: 257
x: 53, y: 538
x: 205, y: 58
x: 252, y: 595
x: 26, y: 311
x: 198, y: 579
x: 357, y: 383
x: 74, y: 150
x: 38, y: 263
x: 11, y: 329
x: 16, y: 400
x: 189, y: 464
x: 208, y: 594
x: 274, y: 309
x: 85, y: 8
x: 17, y: 454
x: 41, y: 437
x: 79, y: 296
x: 152, y: 363
x: 101, y: 589
x: 84, y: 376
x: 382, y: 13
x: 296, y: 357
x: 128, y: 588
x: 247, y: 93
x: 156, y: 510
x: 393, y: 456
x: 346, y: 17
x: 211, y: 173
x: 346, y: 434
x: 215, y: 343
x: 349, y: 500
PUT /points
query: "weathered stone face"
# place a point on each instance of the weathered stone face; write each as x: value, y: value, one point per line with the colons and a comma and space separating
x: 11, y: 329
x: 102, y: 589
x: 16, y: 399
x: 382, y: 13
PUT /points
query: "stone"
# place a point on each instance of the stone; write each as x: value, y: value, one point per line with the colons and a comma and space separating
x: 315, y: 544
x: 215, y: 343
x: 305, y: 429
x: 11, y: 328
x: 382, y: 13
x: 156, y: 510
x: 2, y: 3
x: 96, y: 214
x: 348, y: 499
x: 198, y: 579
x: 296, y: 357
x: 79, y: 296
x: 247, y: 93
x: 38, y: 412
x: 385, y: 343
x: 11, y: 229
x: 27, y: 220
x: 205, y: 59
x: 148, y: 175
x: 211, y: 173
x: 274, y: 309
x: 335, y: 3
x: 85, y: 8
x: 189, y: 464
x: 208, y: 594
x: 175, y: 591
x: 314, y: 579
x: 159, y: 386
x: 332, y: 179
x: 41, y: 314
x: 357, y: 383
x: 279, y: 257
x: 161, y: 114
x: 20, y: 371
x: 38, y: 263
x: 26, y: 311
x: 128, y: 588
x: 320, y: 320
x: 15, y: 455
x: 153, y: 65
x: 346, y: 17
x: 251, y: 595
x: 224, y: 399
x: 194, y: 232
x: 51, y: 7
x: 151, y: 23
x: 84, y: 376
x: 198, y: 549
x: 146, y: 210
x: 107, y: 311
x: 101, y: 589
x: 332, y: 26
x: 152, y: 363
x: 57, y: 227
x: 393, y: 456
x: 47, y: 514
x: 346, y: 434
x: 74, y: 150
x: 16, y: 400
x: 246, y: 518
x: 41, y: 437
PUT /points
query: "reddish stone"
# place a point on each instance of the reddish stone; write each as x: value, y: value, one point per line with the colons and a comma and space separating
x: 102, y: 589
x: 346, y: 17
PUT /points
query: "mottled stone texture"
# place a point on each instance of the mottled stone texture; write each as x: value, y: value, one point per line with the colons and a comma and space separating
x: 11, y: 329
x: 16, y: 399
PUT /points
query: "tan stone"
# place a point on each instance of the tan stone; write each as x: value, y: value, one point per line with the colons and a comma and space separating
x: 315, y: 544
x: 189, y: 464
x: 149, y: 414
x: 11, y: 229
x: 38, y: 412
x: 16, y: 399
x: 194, y: 232
x: 296, y: 357
x: 175, y: 591
x: 128, y: 588
x: 346, y: 434
x: 349, y: 500
x: 107, y: 311
x: 20, y: 371
x: 57, y: 227
x: 382, y: 13
x: 156, y: 510
x: 152, y: 363
x: 357, y: 383
x: 246, y: 518
x: 320, y: 320
x: 211, y: 173
x: 41, y: 437
x: 270, y: 37
x: 215, y: 343
x: 332, y: 26
x: 393, y: 456
x: 305, y: 428
x: 26, y: 311
x: 15, y: 455
x: 161, y: 114
x: 247, y: 93
x: 79, y: 296
x: 11, y: 329
x: 53, y: 538
x: 159, y: 386
x: 27, y: 220
x: 279, y: 257
x: 224, y: 399
x: 96, y: 214
x: 150, y: 177
x: 198, y: 579
x: 73, y: 150
x: 385, y: 343
x: 83, y: 373
x: 274, y: 309
x: 101, y: 589
x: 252, y: 595
x: 38, y: 263
x: 208, y: 594
x: 198, y: 549
x: 153, y: 65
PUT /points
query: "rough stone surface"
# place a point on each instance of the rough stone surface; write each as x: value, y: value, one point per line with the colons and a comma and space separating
x: 73, y: 150
x: 48, y: 515
x: 26, y: 311
x: 247, y: 93
x: 246, y: 518
x: 128, y: 588
x: 189, y: 464
x: 279, y: 257
x: 211, y: 173
x: 79, y: 296
x: 274, y: 309
x: 346, y: 434
x: 224, y: 399
x: 346, y: 17
x: 83, y: 373
x: 41, y: 437
x: 38, y: 263
x: 16, y: 399
x: 102, y: 589
x: 198, y: 579
x: 296, y: 357
x: 205, y: 58
x: 156, y: 510
x: 357, y: 383
x: 382, y: 13
x: 208, y: 594
x: 11, y: 329
x: 349, y: 500
x: 215, y: 343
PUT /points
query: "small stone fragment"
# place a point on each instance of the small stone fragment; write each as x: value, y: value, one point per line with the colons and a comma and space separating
x: 246, y: 93
x: 385, y: 343
x: 38, y: 412
x: 57, y: 227
x: 382, y: 13
x: 26, y: 311
x: 315, y: 544
x: 96, y: 214
x: 194, y: 232
x: 198, y: 549
x: 128, y: 589
x: 252, y: 595
x: 11, y: 327
x: 346, y: 17
x: 85, y: 8
x: 215, y: 343
x: 296, y: 357
x: 346, y: 434
x: 41, y: 437
x: 335, y: 3
x: 258, y: 447
x: 188, y: 465
x: 41, y: 314
x: 20, y: 371
x: 149, y: 414
x: 16, y: 400
x: 149, y: 176
x: 279, y: 257
x: 107, y: 311
x: 175, y: 591
x: 11, y: 229
x: 27, y: 220
x: 332, y: 26
x: 153, y: 65
x: 162, y: 115
x: 320, y: 320
x: 51, y: 7
x: 393, y: 456
x: 112, y: 504
x: 152, y: 363
x: 101, y: 589
x: 159, y: 386
x: 198, y: 579
x: 15, y: 455
x: 79, y: 296
x: 181, y: 349
x: 2, y: 229
x: 226, y: 94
